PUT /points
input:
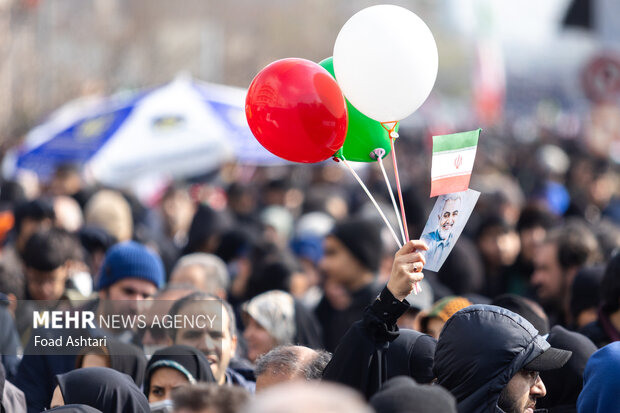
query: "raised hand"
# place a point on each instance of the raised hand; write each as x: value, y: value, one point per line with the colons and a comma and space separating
x: 407, y: 269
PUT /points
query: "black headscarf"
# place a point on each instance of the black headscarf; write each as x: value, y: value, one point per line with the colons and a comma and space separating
x: 124, y: 357
x: 206, y: 224
x: 411, y: 354
x: 182, y: 358
x: 564, y: 384
x: 103, y: 388
x: 128, y: 359
x: 74, y: 408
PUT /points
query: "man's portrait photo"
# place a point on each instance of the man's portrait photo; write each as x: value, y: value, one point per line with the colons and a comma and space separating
x: 445, y: 224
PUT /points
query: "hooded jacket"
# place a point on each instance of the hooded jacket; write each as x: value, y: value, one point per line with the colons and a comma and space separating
x: 601, y: 381
x: 480, y: 349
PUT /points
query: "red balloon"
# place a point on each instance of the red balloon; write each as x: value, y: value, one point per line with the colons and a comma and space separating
x: 296, y: 110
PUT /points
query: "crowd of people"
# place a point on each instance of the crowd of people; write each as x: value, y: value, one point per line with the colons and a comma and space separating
x: 314, y: 304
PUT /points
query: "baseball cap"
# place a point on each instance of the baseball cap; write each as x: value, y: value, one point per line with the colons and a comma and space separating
x: 553, y: 358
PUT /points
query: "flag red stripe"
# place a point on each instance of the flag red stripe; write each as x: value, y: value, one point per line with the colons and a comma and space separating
x: 450, y: 185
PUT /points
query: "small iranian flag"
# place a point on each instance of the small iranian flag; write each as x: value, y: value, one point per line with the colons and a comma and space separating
x: 453, y: 161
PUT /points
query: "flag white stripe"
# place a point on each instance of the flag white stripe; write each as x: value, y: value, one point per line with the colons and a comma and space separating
x: 445, y: 163
x: 447, y: 151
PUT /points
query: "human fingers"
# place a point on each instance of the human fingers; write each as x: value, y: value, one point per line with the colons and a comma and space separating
x: 412, y: 246
x: 411, y: 258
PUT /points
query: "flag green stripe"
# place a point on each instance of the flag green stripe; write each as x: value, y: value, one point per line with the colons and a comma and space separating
x: 456, y: 141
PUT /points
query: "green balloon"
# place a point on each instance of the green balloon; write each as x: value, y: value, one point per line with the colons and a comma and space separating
x: 364, y: 135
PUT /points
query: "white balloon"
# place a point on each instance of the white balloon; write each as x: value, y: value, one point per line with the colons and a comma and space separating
x: 385, y: 61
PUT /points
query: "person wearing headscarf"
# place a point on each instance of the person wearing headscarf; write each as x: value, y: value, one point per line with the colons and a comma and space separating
x: 99, y: 387
x: 123, y: 357
x: 274, y: 269
x: 269, y: 322
x: 73, y: 408
x: 206, y: 230
x: 172, y: 367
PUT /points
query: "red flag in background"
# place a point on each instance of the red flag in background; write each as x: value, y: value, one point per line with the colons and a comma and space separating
x: 489, y: 81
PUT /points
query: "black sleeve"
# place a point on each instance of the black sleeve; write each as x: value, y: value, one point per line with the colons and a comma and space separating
x: 380, y: 317
x: 359, y: 360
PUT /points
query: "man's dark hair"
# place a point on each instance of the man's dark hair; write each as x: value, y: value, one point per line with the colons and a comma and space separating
x: 610, y: 286
x: 37, y: 210
x: 576, y: 244
x: 201, y: 396
x: 49, y: 249
x: 493, y: 222
x: 200, y: 296
x: 533, y: 216
x: 286, y: 360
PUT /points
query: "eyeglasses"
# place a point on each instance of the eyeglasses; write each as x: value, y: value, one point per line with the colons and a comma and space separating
x: 532, y: 376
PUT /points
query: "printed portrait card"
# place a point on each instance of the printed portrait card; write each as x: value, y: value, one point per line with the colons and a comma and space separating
x: 445, y: 224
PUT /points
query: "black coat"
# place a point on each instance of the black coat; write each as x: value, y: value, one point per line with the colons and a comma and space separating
x: 374, y: 350
x: 335, y: 323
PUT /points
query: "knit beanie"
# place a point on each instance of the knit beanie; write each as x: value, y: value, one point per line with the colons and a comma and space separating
x: 130, y: 259
x: 363, y: 239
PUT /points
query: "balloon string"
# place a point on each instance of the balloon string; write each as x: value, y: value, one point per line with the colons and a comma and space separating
x: 359, y: 180
x: 400, y: 192
x: 387, y: 183
x: 416, y: 286
x: 390, y: 128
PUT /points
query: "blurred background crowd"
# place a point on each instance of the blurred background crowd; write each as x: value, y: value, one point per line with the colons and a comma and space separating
x: 542, y: 80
